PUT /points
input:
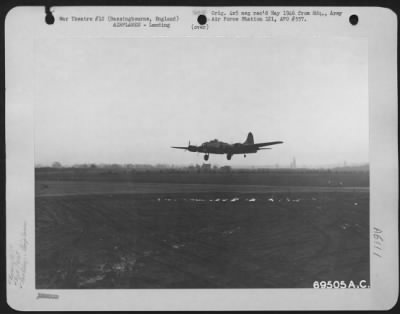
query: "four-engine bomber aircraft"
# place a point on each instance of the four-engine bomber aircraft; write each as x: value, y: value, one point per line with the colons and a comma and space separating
x: 217, y: 147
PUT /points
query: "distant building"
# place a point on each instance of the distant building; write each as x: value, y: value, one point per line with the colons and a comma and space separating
x: 225, y: 169
x: 206, y: 167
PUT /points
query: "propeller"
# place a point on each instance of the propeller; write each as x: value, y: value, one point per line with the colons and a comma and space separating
x: 187, y: 147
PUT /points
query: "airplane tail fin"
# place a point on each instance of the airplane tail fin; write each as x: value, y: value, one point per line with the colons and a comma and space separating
x: 250, y: 139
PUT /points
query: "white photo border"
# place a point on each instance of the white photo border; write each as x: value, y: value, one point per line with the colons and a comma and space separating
x: 25, y: 27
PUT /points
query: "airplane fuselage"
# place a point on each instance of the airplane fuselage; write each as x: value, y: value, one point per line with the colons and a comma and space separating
x: 217, y: 147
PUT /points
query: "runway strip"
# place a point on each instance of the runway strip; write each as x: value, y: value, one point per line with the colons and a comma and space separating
x: 63, y: 188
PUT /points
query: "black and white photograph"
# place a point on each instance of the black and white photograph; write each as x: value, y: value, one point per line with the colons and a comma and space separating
x: 201, y: 160
x: 269, y: 187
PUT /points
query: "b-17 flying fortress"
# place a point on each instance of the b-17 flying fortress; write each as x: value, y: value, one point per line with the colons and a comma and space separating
x: 218, y: 147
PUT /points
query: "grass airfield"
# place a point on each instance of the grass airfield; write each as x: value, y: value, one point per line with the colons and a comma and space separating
x: 104, y: 231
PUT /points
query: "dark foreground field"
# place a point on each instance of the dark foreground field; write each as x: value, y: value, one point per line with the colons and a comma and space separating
x: 99, y: 235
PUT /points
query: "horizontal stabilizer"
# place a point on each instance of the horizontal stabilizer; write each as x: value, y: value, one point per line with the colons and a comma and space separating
x: 267, y: 144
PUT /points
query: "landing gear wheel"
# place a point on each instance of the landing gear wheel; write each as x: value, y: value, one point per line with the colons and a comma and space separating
x: 229, y: 156
x: 206, y: 157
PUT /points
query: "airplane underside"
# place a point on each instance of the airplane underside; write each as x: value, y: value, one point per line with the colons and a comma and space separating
x: 228, y: 155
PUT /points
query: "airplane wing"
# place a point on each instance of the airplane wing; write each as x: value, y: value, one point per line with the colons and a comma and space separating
x: 258, y: 145
x: 179, y: 147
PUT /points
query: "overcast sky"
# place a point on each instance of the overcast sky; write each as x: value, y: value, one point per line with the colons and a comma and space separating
x: 129, y: 100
